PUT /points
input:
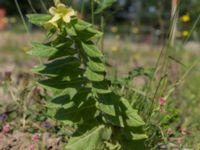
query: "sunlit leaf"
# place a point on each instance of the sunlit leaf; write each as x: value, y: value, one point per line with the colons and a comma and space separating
x: 91, y: 50
x: 39, y: 19
x: 88, y: 141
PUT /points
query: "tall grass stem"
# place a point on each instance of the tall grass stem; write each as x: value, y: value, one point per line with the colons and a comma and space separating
x: 22, y: 17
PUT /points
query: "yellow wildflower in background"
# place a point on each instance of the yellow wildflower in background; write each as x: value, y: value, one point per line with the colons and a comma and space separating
x: 184, y: 33
x: 60, y: 11
x: 135, y: 30
x: 185, y: 18
x: 114, y: 48
x: 26, y: 49
x: 114, y: 29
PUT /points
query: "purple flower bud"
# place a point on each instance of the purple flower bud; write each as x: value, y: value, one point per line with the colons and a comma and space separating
x: 47, y: 124
x: 3, y: 116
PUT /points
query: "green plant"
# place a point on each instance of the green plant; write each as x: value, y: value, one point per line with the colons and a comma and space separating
x: 75, y: 72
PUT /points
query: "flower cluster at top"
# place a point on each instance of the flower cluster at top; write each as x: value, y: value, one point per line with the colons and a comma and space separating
x: 60, y: 12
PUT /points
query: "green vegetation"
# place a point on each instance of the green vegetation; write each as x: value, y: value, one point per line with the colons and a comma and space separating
x: 96, y: 89
x: 83, y: 96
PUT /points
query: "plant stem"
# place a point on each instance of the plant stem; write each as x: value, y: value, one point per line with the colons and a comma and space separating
x: 102, y: 30
x: 164, y: 138
x: 43, y: 5
x: 31, y: 5
x: 13, y: 96
x: 82, y: 7
x: 174, y: 19
x: 92, y: 12
x: 22, y: 17
x: 24, y: 115
x: 192, y: 29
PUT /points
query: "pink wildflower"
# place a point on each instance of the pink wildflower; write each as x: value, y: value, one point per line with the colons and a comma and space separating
x: 35, y: 137
x: 6, y: 128
x: 169, y: 131
x: 162, y: 101
x: 180, y: 140
x: 184, y: 131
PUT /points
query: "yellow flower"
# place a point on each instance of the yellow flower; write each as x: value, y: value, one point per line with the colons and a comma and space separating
x: 60, y: 11
x: 135, y: 30
x: 26, y: 49
x: 114, y: 49
x: 185, y: 18
x: 184, y: 33
x: 114, y: 29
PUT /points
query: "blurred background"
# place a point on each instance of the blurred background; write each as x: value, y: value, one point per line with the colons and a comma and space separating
x: 135, y: 33
x: 144, y: 21
x: 136, y: 22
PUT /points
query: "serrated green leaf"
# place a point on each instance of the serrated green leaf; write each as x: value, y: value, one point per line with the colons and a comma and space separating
x: 133, y: 118
x: 39, y: 19
x: 55, y: 83
x: 88, y: 141
x: 58, y: 102
x: 101, y: 87
x: 109, y: 104
x: 89, y: 34
x: 61, y: 42
x: 113, y: 146
x: 97, y: 34
x: 91, y: 50
x: 71, y: 31
x: 134, y: 133
x: 82, y: 25
x: 93, y: 76
x: 137, y: 136
x: 59, y: 66
x: 117, y: 121
x: 42, y: 50
x: 96, y: 66
x: 77, y: 112
x: 63, y: 52
x: 63, y: 45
